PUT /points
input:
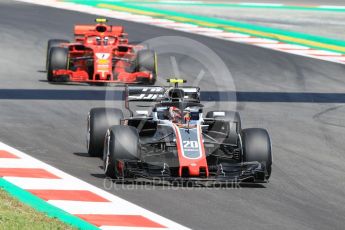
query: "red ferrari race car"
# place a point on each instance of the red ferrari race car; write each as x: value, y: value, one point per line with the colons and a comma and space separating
x: 100, y: 54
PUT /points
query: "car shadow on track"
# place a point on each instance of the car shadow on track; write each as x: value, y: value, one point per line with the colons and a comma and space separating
x: 64, y: 83
x: 144, y: 183
x: 118, y: 95
x: 81, y: 154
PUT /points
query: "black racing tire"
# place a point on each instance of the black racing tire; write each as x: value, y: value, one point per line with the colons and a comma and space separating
x: 257, y: 147
x: 58, y: 59
x: 147, y: 61
x: 98, y: 122
x: 231, y: 117
x: 53, y: 43
x: 121, y: 143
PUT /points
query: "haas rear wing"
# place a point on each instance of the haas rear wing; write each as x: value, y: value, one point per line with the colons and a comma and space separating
x: 146, y: 96
x: 159, y: 93
x: 139, y: 93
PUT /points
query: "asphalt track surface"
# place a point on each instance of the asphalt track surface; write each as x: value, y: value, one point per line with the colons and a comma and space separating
x: 299, y: 100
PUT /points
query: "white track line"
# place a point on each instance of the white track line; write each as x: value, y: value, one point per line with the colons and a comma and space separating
x: 340, y: 58
x: 106, y: 208
x: 234, y: 35
x: 18, y: 163
x: 318, y: 52
x: 259, y: 4
x: 330, y: 7
x: 284, y: 46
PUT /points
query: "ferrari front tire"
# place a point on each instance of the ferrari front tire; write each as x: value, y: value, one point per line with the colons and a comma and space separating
x: 53, y: 43
x: 147, y: 61
x: 58, y: 59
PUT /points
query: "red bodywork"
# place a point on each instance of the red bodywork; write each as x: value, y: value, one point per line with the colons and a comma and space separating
x: 101, y: 53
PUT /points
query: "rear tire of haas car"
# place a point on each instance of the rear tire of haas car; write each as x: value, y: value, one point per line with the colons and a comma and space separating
x: 58, y: 59
x: 147, y: 61
x: 121, y: 143
x: 257, y: 147
x: 231, y: 117
x: 98, y: 122
x: 53, y: 43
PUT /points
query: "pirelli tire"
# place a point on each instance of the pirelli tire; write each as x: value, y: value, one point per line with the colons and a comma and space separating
x: 147, y: 61
x: 256, y: 145
x: 233, y: 119
x: 58, y: 59
x: 53, y: 43
x: 121, y: 144
x: 98, y: 122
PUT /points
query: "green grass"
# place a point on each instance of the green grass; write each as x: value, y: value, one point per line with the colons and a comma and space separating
x: 16, y: 215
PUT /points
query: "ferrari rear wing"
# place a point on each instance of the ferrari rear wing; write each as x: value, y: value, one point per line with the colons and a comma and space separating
x: 100, y: 28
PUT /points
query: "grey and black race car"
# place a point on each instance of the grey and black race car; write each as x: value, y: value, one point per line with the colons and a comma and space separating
x: 167, y: 136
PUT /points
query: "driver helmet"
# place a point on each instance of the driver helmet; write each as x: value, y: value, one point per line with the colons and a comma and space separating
x: 101, y: 41
x: 175, y: 114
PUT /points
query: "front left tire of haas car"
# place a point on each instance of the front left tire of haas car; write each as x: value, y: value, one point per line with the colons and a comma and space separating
x: 98, y: 122
x: 121, y: 144
x: 57, y: 59
x: 257, y: 147
x: 147, y: 61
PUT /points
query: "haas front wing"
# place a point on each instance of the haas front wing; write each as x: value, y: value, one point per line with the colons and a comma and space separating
x: 185, y: 154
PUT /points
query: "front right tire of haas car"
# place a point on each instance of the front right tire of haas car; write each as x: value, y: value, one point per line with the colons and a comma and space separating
x: 121, y: 143
x: 255, y: 142
x: 98, y: 122
x: 256, y: 145
x: 57, y: 59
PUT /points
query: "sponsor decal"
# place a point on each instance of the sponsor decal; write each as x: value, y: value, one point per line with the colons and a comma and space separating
x: 103, y: 56
x: 189, y: 142
x: 148, y: 94
x: 103, y: 61
x: 220, y: 114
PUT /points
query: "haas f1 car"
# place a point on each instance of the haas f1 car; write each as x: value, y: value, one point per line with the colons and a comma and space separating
x: 100, y: 54
x: 173, y: 140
